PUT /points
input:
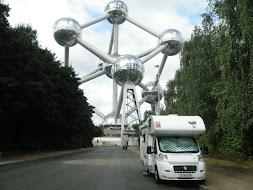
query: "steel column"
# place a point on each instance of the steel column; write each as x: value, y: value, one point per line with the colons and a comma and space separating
x: 66, y: 57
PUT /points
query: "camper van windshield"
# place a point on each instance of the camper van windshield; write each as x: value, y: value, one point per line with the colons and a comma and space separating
x: 178, y: 144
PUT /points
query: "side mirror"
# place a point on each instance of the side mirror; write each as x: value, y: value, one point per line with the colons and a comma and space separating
x: 149, y: 150
x: 204, y: 150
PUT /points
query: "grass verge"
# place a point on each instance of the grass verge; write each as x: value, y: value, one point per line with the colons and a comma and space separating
x: 245, y: 166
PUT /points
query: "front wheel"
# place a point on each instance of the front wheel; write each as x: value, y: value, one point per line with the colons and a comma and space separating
x: 202, y: 182
x: 157, y: 178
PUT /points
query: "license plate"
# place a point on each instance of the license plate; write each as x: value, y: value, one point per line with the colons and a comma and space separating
x: 185, y: 175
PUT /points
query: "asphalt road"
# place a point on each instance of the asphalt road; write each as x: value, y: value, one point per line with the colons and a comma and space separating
x: 96, y: 169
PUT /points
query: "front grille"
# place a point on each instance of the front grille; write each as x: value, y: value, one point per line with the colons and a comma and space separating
x: 185, y: 169
x: 185, y: 172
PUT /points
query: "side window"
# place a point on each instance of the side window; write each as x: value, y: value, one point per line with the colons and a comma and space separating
x: 149, y: 123
x: 155, y: 148
x: 144, y: 135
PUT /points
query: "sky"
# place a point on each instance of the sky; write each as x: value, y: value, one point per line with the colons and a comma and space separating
x: 158, y: 15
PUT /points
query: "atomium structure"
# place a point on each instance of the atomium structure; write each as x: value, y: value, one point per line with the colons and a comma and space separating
x: 126, y: 71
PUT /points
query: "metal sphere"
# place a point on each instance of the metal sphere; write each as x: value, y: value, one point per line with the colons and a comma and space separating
x: 108, y: 66
x: 128, y: 68
x: 174, y: 39
x: 117, y: 10
x: 110, y: 121
x: 152, y: 92
x: 65, y: 31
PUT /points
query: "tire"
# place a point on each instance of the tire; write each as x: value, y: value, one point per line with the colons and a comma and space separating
x: 202, y: 182
x: 146, y: 169
x: 157, y: 178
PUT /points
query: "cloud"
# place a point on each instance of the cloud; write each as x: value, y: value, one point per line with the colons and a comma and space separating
x: 157, y: 15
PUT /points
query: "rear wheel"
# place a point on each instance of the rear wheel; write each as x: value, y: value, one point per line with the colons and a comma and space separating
x: 157, y: 178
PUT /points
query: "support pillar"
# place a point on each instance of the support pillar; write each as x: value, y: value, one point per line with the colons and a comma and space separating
x: 128, y: 86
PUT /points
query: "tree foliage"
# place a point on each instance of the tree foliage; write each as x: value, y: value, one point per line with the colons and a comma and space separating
x: 99, y: 131
x: 41, y: 104
x: 215, y: 79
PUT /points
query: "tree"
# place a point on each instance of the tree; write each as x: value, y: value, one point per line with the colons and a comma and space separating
x: 99, y: 131
x: 215, y: 78
x: 41, y: 104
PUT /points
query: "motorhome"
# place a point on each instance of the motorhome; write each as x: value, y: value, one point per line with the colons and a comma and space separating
x: 169, y: 150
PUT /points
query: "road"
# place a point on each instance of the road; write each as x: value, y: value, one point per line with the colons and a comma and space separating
x: 96, y: 169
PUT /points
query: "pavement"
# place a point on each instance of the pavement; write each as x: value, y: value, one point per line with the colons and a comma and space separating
x: 48, y: 154
x: 217, y: 178
x: 37, y: 156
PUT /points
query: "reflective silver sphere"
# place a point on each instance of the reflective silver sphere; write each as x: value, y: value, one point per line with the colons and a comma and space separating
x: 152, y: 92
x: 128, y: 68
x: 117, y: 10
x: 108, y: 66
x: 109, y: 120
x: 65, y: 30
x: 174, y: 39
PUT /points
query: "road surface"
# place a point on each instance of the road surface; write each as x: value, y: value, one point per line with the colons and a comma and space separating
x: 96, y: 169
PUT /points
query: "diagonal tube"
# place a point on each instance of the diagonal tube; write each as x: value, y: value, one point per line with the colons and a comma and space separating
x: 86, y: 79
x: 102, y: 116
x: 143, y: 86
x: 142, y: 26
x: 111, y: 43
x: 95, y: 21
x: 118, y: 108
x: 93, y: 72
x: 95, y: 51
x: 160, y: 69
x: 142, y: 54
x: 154, y: 53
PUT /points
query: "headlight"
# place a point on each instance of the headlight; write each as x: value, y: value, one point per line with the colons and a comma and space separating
x: 200, y: 158
x: 163, y: 157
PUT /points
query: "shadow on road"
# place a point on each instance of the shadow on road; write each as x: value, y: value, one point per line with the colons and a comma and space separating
x: 176, y: 184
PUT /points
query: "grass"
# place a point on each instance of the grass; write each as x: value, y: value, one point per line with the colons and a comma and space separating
x: 244, y: 166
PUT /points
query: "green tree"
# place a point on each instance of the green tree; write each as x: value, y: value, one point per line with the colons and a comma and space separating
x: 98, y: 132
x: 41, y: 104
x: 215, y: 78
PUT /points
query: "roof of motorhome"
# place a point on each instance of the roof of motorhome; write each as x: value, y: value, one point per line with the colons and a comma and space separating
x: 175, y: 125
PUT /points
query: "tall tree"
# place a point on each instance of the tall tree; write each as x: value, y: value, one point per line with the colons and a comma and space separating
x: 215, y: 78
x: 41, y: 104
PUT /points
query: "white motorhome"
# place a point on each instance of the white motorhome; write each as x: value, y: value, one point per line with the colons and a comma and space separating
x: 169, y: 150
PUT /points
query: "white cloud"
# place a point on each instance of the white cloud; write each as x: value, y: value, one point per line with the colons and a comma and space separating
x: 157, y: 15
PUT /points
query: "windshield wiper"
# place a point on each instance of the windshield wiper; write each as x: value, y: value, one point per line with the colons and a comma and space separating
x: 182, y: 152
